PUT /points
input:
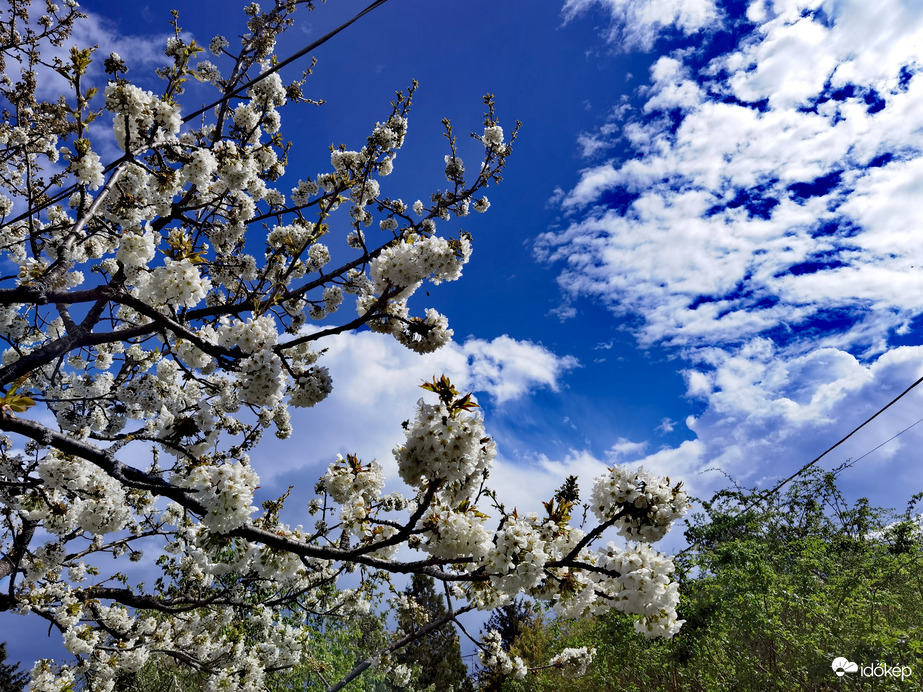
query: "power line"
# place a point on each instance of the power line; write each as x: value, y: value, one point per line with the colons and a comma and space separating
x: 278, y: 66
x: 841, y: 441
x: 876, y: 448
x: 768, y: 493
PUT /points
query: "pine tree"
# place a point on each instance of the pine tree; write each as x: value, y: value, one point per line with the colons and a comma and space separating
x: 11, y: 678
x: 438, y: 655
x: 509, y: 620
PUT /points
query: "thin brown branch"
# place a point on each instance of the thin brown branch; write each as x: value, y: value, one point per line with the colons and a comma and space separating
x: 278, y: 66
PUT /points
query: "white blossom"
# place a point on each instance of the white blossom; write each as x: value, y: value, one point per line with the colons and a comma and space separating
x: 88, y: 169
x: 493, y: 137
x: 176, y: 283
x: 188, y: 342
x: 573, y: 662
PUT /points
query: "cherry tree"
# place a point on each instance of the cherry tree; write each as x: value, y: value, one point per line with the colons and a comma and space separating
x: 163, y: 311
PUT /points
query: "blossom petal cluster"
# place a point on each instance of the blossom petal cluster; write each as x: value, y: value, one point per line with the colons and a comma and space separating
x: 446, y: 448
x: 167, y: 308
x: 493, y: 657
x: 642, y: 506
x: 573, y: 662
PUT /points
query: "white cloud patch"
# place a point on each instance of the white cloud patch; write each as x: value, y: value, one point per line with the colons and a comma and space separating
x: 625, y: 449
x: 376, y: 387
x: 769, y: 226
x: 506, y: 368
x: 367, y: 365
x: 636, y: 24
x: 524, y: 483
x: 768, y: 416
x: 141, y: 54
x: 667, y: 425
x: 590, y: 144
x: 761, y: 209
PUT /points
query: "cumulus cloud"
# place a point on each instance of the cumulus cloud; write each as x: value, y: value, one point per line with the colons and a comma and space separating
x: 523, y: 483
x: 625, y: 449
x: 766, y: 221
x: 506, y: 368
x: 376, y: 387
x: 767, y: 417
x: 368, y: 365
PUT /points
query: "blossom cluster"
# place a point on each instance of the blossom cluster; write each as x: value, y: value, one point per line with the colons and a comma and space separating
x: 175, y: 283
x: 355, y: 487
x: 415, y: 259
x: 141, y: 118
x: 644, y: 587
x: 452, y: 533
x: 251, y: 335
x: 226, y: 491
x: 493, y: 657
x: 100, y: 504
x: 446, y: 447
x: 188, y: 339
x: 88, y: 170
x: 642, y: 505
x: 573, y: 662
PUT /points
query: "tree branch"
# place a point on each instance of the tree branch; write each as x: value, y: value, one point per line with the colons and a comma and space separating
x: 9, y: 564
x: 127, y: 475
x: 133, y: 478
x: 278, y: 66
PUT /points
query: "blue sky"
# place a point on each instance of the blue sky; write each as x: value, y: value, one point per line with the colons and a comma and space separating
x: 704, y: 255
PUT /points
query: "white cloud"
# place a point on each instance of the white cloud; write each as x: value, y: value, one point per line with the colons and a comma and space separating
x: 667, y: 425
x: 593, y: 181
x: 672, y: 87
x: 725, y: 238
x: 771, y: 232
x: 636, y: 24
x: 376, y: 386
x: 506, y: 368
x: 625, y: 449
x: 767, y: 417
x: 369, y: 365
x: 524, y: 483
x: 140, y: 53
x: 790, y: 63
x: 590, y: 145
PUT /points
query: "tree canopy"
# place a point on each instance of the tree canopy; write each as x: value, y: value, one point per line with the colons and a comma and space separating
x: 774, y: 590
x: 437, y: 656
x: 164, y: 309
x: 12, y: 679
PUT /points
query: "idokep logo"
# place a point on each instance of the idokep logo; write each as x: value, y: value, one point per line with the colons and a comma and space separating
x: 841, y: 666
